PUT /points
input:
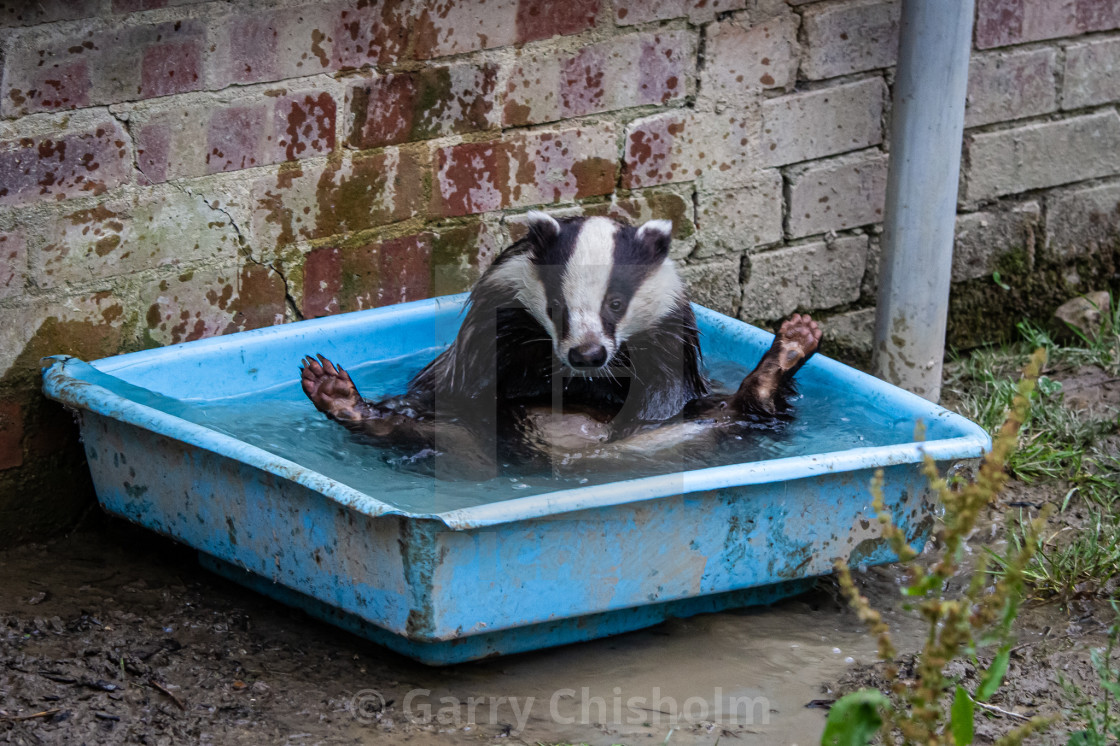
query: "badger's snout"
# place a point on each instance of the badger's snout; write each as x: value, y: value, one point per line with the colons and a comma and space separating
x: 591, y: 355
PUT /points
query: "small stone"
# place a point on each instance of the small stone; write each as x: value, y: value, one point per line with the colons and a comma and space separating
x: 1087, y: 314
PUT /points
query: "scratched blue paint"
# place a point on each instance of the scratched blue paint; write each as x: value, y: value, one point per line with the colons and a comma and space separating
x: 515, y: 575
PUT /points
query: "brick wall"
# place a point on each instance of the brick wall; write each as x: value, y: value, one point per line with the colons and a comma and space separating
x: 173, y: 169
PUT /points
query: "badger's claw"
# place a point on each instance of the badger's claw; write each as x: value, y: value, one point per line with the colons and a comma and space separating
x: 330, y: 389
x: 797, y: 339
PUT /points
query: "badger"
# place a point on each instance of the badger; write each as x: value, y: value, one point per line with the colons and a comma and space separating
x: 578, y: 340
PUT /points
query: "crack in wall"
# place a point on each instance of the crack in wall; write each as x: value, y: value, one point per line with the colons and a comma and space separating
x: 246, y: 251
x: 244, y: 248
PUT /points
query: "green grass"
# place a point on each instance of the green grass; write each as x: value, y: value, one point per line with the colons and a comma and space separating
x: 1060, y: 451
x: 1057, y: 442
x: 1070, y: 562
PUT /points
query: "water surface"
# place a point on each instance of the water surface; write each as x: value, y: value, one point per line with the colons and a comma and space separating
x: 282, y: 421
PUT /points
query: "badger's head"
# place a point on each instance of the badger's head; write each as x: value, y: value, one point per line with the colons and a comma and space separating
x: 593, y: 283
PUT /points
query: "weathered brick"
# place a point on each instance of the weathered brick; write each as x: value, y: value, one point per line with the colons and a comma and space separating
x: 205, y: 303
x: 809, y: 277
x: 658, y: 150
x: 347, y: 194
x: 633, y: 70
x: 741, y: 59
x: 472, y: 177
x: 123, y: 236
x: 1092, y: 74
x: 393, y: 271
x: 681, y: 145
x: 524, y: 169
x: 49, y: 71
x: 377, y: 274
x: 366, y: 33
x: 987, y: 240
x: 13, y: 265
x: 250, y: 133
x: 65, y: 85
x: 1082, y: 220
x: 236, y: 138
x: 172, y: 67
x: 446, y: 27
x: 838, y: 193
x: 1010, y: 85
x: 1003, y: 22
x: 540, y: 19
x: 11, y: 433
x: 850, y: 37
x: 1043, y: 155
x: 738, y: 220
x: 851, y: 333
x: 267, y: 44
x: 20, y: 13
x: 82, y: 161
x: 87, y: 326
x: 562, y: 165
x: 432, y: 102
x: 1098, y: 15
x: 726, y: 149
x: 803, y: 126
x: 460, y: 253
x: 714, y: 284
x: 274, y: 45
x: 627, y: 12
x: 438, y: 261
x: 322, y: 282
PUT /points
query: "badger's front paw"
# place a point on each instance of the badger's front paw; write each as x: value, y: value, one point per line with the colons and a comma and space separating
x: 797, y: 339
x: 330, y: 389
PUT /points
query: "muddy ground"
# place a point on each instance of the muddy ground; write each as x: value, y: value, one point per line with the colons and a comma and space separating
x: 115, y: 635
x: 112, y: 635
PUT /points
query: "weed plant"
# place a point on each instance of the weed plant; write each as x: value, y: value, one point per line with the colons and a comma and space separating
x: 933, y: 709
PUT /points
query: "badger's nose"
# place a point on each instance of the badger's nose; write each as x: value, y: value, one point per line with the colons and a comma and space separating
x: 588, y: 356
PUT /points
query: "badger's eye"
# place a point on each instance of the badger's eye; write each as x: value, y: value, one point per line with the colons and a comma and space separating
x: 615, y: 304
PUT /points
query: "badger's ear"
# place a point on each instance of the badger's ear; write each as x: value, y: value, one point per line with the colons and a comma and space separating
x: 543, y: 228
x: 654, y: 237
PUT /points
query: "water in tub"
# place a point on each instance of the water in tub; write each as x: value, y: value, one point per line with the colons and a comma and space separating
x: 282, y: 421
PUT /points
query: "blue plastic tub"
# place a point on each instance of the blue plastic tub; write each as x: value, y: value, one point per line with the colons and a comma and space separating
x: 430, y: 569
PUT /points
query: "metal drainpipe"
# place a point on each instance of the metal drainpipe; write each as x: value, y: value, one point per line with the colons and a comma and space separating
x: 927, y: 125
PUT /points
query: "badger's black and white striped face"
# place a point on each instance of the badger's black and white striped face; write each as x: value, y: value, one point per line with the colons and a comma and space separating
x: 593, y: 283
